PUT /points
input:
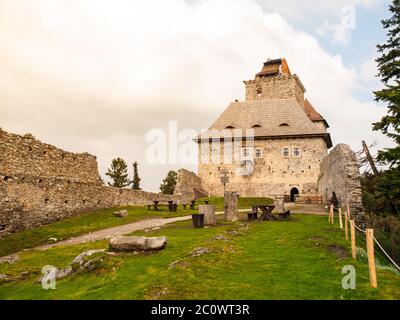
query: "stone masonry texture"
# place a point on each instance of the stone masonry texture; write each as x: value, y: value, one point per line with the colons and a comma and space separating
x: 41, y: 184
x: 340, y: 173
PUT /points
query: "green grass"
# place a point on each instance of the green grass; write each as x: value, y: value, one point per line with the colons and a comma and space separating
x: 78, y: 225
x: 85, y: 223
x: 259, y: 260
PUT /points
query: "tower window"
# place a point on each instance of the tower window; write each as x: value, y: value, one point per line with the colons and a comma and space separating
x: 284, y: 125
x: 247, y: 153
x: 296, y: 152
x: 258, y: 153
x: 285, y: 152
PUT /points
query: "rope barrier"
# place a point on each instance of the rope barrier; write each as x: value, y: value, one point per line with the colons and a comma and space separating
x: 386, y: 254
x: 376, y: 241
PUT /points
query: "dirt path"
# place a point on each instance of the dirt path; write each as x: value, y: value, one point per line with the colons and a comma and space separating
x: 123, y: 229
x: 110, y: 232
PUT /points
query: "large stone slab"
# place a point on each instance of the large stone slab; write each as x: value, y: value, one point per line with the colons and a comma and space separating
x: 121, y: 213
x: 231, y: 206
x: 130, y: 244
x: 209, y: 214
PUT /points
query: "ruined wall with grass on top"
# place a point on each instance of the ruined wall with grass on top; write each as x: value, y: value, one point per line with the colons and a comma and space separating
x: 40, y: 184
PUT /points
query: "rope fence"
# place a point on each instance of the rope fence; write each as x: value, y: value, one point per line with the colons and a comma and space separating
x: 370, y: 240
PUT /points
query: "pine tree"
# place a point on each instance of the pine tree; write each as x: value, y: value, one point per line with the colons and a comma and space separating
x: 169, y: 183
x: 389, y: 71
x: 136, y: 179
x: 118, y: 173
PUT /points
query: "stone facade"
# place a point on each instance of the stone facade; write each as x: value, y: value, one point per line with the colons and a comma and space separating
x: 41, y: 184
x: 289, y: 140
x: 340, y: 173
x: 274, y: 174
x: 280, y: 87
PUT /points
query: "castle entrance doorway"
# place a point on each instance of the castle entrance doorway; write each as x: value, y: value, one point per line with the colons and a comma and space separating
x: 293, y: 193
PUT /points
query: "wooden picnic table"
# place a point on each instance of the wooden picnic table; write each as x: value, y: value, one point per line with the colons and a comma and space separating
x: 172, y: 207
x: 266, y: 212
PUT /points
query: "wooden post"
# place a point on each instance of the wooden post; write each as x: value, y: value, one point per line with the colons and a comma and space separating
x: 346, y: 226
x: 330, y: 213
x: 353, y: 240
x: 371, y: 257
x: 333, y: 215
x: 340, y: 218
x: 348, y: 211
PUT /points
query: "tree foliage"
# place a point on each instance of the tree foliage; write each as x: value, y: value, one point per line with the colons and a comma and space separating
x: 118, y: 173
x: 136, y: 179
x: 169, y: 183
x: 389, y: 72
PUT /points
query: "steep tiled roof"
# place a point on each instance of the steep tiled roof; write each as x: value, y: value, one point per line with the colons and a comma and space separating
x: 311, y: 112
x: 273, y: 118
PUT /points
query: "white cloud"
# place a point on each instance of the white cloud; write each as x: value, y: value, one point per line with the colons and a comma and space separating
x: 341, y: 30
x: 94, y: 76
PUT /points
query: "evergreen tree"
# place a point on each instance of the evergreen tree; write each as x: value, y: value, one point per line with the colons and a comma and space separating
x: 169, y: 183
x: 136, y: 179
x: 118, y: 173
x: 388, y: 183
x: 389, y: 71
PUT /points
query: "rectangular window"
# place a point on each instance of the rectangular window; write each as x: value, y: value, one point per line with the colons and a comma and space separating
x: 285, y: 152
x: 247, y: 153
x: 296, y: 152
x: 258, y: 153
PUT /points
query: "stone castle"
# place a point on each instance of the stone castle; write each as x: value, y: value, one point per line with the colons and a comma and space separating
x: 40, y: 183
x: 290, y: 139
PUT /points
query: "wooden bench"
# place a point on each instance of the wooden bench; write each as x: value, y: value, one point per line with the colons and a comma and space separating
x: 284, y: 215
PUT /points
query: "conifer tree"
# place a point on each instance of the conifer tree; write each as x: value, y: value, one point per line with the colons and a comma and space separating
x: 118, y: 173
x: 136, y: 178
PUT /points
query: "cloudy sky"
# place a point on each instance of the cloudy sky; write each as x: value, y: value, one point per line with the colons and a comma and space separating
x: 97, y: 75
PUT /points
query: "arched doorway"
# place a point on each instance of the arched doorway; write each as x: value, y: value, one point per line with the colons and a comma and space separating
x: 293, y: 193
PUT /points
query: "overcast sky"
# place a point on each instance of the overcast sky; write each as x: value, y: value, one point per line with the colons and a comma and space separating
x: 96, y: 75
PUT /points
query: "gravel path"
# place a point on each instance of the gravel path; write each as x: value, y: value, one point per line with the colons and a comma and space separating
x: 110, y: 232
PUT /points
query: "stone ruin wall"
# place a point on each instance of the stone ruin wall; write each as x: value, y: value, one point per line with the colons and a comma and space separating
x: 340, y: 173
x: 189, y: 186
x: 40, y: 184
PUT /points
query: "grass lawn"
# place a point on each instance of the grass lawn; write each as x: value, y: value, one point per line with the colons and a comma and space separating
x: 78, y: 225
x: 301, y: 258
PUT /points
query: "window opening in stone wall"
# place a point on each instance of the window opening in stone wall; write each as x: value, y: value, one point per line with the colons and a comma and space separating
x: 258, y: 153
x: 285, y: 152
x: 6, y: 178
x: 284, y: 125
x: 46, y: 200
x: 296, y: 152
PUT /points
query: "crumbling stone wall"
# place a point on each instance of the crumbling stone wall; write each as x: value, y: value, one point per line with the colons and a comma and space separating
x: 41, y: 184
x: 339, y: 173
x: 189, y: 186
x: 27, y: 156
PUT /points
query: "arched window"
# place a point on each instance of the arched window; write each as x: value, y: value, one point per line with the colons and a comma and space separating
x: 256, y: 126
x: 284, y: 125
x: 230, y: 127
